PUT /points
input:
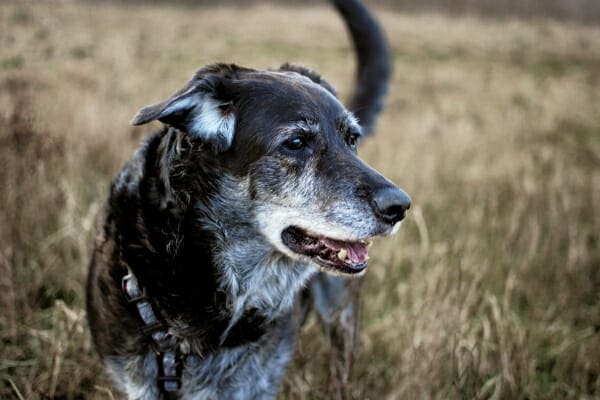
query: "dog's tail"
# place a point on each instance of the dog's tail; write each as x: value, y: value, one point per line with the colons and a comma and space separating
x: 374, y: 62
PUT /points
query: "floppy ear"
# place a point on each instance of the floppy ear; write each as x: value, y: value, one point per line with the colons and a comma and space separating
x: 202, y: 108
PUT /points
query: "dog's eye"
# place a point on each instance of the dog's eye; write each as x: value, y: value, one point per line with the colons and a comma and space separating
x: 296, y: 143
x: 353, y: 141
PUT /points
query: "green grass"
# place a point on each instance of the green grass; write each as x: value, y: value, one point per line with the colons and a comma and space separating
x: 490, y: 290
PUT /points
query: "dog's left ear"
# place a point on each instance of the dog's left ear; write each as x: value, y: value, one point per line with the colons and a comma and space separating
x: 202, y: 108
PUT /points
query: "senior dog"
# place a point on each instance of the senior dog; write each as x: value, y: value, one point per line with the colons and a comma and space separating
x: 250, y: 193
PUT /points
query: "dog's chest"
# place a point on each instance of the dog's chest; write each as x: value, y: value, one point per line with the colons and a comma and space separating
x: 253, y: 370
x: 250, y: 371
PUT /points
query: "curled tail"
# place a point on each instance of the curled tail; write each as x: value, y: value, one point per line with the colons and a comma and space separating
x: 373, y: 58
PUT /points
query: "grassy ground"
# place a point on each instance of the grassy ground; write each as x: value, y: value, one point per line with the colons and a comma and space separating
x: 492, y: 288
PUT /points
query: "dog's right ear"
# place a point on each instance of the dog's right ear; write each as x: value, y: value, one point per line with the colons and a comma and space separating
x: 202, y: 108
x: 310, y: 74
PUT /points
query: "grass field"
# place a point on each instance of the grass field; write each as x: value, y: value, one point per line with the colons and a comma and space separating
x: 490, y: 290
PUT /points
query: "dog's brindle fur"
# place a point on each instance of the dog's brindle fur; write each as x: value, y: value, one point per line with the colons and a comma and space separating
x: 197, y: 216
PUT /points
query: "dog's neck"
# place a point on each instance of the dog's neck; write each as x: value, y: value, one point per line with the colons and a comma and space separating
x: 253, y: 274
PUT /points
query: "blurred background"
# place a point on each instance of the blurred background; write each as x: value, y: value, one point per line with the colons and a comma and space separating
x: 492, y: 124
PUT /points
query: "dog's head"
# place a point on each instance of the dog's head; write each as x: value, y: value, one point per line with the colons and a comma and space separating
x: 293, y: 144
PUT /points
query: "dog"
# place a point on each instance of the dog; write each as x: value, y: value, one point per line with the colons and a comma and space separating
x: 218, y: 232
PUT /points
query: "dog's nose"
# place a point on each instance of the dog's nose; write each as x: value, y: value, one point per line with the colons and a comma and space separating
x: 391, y: 204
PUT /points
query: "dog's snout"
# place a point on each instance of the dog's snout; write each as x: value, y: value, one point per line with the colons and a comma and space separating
x: 391, y: 204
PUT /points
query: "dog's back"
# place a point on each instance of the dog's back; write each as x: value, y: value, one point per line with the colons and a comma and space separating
x: 189, y: 220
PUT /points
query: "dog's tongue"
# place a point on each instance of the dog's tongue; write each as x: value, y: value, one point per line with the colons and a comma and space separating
x: 357, y: 251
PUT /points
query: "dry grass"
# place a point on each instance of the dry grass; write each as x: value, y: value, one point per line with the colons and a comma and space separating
x: 491, y: 290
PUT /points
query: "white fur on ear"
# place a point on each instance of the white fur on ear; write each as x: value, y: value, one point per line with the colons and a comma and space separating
x: 205, y: 118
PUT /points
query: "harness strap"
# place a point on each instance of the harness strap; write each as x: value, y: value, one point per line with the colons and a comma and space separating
x: 168, y: 354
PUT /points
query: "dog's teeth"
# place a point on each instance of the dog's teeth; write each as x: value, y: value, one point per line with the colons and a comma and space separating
x: 370, y: 243
x: 342, y: 254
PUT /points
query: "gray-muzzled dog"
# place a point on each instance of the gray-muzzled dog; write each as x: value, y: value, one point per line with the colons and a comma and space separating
x: 217, y: 231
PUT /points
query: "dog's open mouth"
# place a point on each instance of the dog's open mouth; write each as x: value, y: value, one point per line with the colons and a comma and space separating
x: 342, y: 256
